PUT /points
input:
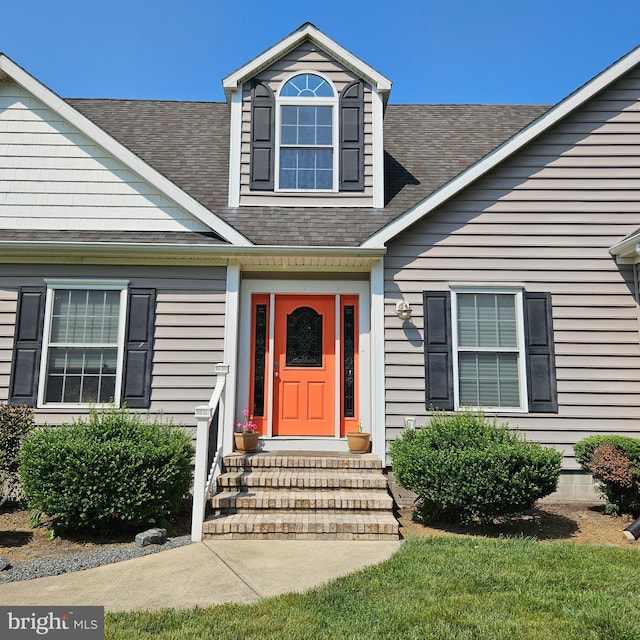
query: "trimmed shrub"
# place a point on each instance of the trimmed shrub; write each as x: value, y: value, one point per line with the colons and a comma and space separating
x: 464, y: 468
x: 16, y: 421
x: 615, y: 462
x: 116, y: 471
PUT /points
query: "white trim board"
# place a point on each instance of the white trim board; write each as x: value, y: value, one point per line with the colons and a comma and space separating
x: 235, y: 149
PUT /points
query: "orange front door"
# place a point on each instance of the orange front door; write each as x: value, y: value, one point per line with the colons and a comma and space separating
x: 304, y: 365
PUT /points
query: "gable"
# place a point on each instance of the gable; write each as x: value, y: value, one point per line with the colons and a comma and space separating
x: 528, y: 138
x: 60, y: 179
x: 574, y: 192
x: 306, y: 32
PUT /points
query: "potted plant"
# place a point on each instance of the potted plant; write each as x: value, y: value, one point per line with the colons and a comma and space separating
x: 358, y: 441
x: 246, y: 433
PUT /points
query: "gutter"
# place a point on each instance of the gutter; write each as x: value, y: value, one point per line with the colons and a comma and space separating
x: 626, y: 251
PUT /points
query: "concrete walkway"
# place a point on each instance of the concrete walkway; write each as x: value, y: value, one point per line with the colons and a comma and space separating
x: 205, y: 573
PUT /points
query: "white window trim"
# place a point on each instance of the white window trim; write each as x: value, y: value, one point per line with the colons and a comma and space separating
x: 309, y: 102
x: 75, y: 283
x: 520, y: 349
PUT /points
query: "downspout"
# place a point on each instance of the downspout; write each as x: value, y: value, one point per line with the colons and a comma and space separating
x: 632, y: 532
x: 636, y: 287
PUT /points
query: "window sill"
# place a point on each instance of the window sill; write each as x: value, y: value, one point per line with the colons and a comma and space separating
x: 84, y: 406
x: 305, y: 191
x: 492, y: 409
x: 315, y: 199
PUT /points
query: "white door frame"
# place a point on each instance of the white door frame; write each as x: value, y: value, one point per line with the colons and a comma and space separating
x: 302, y: 287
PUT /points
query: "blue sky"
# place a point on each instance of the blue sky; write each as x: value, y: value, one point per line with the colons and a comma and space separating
x: 475, y: 51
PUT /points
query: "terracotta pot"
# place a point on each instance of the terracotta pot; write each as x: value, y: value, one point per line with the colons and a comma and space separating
x: 358, y: 441
x: 246, y: 441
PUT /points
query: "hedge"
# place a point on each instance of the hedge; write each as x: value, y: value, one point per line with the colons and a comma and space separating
x: 464, y: 468
x: 116, y: 470
x: 615, y: 462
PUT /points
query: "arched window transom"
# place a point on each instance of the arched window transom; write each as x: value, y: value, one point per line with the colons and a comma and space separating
x: 307, y: 85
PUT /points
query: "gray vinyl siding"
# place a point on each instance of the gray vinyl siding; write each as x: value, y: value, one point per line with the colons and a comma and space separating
x: 543, y: 220
x: 188, y: 340
x: 59, y: 178
x: 306, y: 57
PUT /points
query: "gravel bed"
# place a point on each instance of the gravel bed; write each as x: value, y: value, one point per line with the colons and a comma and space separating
x: 82, y: 560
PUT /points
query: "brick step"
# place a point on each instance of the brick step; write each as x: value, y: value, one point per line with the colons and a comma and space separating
x: 303, y: 495
x: 301, y: 460
x: 310, y: 500
x: 291, y: 525
x: 302, y: 479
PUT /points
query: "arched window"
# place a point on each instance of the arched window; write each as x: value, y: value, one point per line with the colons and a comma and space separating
x: 307, y: 134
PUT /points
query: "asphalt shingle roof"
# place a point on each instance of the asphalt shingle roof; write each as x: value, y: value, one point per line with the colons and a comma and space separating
x: 425, y: 147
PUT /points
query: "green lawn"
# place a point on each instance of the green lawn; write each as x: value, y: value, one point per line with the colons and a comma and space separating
x: 471, y: 588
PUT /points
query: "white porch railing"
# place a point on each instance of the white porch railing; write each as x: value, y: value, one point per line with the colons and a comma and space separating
x: 203, y: 479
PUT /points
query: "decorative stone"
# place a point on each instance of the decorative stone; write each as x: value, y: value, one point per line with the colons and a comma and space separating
x: 151, y: 536
x: 4, y: 564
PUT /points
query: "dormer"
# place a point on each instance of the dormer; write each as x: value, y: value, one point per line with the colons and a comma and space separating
x: 306, y: 126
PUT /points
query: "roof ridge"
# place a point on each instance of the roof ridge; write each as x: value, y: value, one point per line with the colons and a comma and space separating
x: 153, y: 100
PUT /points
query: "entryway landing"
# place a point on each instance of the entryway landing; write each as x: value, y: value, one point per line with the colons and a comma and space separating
x: 303, y: 495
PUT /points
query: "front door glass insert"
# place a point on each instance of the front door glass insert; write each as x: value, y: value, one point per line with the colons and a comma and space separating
x: 304, y: 338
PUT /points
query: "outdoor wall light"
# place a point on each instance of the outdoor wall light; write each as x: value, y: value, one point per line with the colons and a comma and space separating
x: 403, y: 310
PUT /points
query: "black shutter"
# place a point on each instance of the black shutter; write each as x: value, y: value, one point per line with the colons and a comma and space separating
x: 541, y: 368
x: 352, y: 137
x: 262, y: 137
x: 438, y: 362
x: 23, y: 387
x: 138, y: 352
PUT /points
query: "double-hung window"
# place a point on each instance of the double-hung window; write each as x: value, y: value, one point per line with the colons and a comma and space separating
x: 80, y: 342
x: 488, y: 350
x: 83, y: 343
x: 307, y: 134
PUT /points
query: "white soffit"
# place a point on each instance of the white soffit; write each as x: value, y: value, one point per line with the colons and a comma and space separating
x: 508, y: 148
x: 258, y: 256
x: 306, y: 32
x: 8, y: 68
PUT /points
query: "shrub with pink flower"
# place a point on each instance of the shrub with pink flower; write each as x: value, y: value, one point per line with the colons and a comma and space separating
x: 247, y: 425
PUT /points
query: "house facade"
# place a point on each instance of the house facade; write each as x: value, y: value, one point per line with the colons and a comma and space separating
x: 348, y: 260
